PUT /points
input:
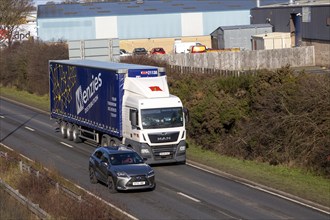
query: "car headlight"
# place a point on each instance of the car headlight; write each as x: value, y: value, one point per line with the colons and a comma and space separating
x: 151, y: 173
x: 122, y: 174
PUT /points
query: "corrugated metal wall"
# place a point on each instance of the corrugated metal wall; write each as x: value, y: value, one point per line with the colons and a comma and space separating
x: 280, y: 18
x: 139, y: 27
x: 149, y: 26
x: 66, y: 29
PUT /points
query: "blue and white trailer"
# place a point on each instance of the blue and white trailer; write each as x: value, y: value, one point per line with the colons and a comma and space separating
x: 117, y: 103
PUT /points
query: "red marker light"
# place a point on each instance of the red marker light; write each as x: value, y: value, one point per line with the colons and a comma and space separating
x: 155, y: 88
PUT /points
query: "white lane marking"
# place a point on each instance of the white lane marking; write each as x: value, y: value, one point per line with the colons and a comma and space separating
x: 200, y: 168
x: 264, y: 190
x: 31, y: 129
x: 68, y: 145
x: 1, y: 116
x: 189, y: 197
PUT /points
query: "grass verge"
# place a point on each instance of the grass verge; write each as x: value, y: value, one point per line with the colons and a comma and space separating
x: 294, y: 181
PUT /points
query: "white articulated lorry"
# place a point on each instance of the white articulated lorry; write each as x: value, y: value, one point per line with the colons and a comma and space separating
x: 117, y: 103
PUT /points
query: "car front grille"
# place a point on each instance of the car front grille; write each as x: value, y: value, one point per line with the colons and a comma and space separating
x: 139, y: 178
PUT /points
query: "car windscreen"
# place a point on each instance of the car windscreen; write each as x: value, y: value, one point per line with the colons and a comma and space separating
x: 125, y: 158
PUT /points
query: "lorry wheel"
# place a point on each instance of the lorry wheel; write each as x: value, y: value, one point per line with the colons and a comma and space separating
x: 69, y: 131
x: 112, y: 143
x: 111, y: 185
x: 63, y: 128
x: 75, y: 135
x: 105, y: 141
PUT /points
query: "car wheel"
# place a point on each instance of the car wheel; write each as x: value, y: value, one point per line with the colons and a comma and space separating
x: 111, y: 185
x: 153, y: 188
x: 92, y: 176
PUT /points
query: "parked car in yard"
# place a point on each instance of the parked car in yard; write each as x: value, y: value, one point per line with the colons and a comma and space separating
x: 198, y: 49
x: 121, y: 168
x: 140, y: 51
x: 157, y: 50
x: 123, y: 52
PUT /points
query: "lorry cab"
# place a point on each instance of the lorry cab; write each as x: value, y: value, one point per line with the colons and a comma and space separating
x: 154, y: 120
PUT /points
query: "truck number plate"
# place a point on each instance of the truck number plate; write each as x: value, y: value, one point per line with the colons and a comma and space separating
x: 164, y: 153
x: 139, y: 183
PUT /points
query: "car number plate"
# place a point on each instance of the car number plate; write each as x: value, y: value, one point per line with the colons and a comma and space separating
x: 139, y: 183
x: 164, y: 153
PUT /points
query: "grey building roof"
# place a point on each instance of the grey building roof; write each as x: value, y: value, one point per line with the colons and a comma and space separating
x: 298, y: 3
x: 147, y: 7
x: 244, y: 26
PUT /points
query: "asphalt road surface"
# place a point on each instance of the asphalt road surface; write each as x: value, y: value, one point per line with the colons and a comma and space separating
x: 182, y: 192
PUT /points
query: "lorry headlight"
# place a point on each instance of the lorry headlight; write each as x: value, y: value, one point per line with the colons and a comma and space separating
x: 145, y: 151
x: 182, y: 148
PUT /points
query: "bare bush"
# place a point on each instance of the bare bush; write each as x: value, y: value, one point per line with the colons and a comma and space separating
x: 25, y: 65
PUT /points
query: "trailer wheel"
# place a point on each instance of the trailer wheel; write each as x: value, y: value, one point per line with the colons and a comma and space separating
x: 63, y: 128
x: 69, y: 131
x: 104, y: 142
x: 113, y: 143
x: 75, y: 134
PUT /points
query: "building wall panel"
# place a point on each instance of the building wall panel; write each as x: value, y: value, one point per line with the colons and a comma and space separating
x: 66, y: 29
x: 149, y: 26
x: 318, y: 28
x: 106, y: 27
x: 192, y: 24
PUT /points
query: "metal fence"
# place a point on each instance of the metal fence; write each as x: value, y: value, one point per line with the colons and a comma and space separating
x: 31, y: 206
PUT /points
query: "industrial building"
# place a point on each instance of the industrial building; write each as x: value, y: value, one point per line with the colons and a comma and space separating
x: 148, y: 23
x: 238, y: 36
x: 307, y: 21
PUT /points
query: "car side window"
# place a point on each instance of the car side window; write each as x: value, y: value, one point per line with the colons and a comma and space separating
x: 104, y: 158
x: 98, y: 154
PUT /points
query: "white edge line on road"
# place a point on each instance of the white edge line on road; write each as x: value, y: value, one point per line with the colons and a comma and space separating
x: 88, y: 192
x: 1, y: 116
x: 31, y: 129
x: 286, y: 198
x: 265, y: 190
x: 68, y: 145
x: 8, y: 148
x: 189, y: 197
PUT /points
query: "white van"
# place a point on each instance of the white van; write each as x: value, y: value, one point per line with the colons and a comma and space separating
x: 183, y: 47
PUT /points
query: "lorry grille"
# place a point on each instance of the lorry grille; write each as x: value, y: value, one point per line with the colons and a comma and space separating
x: 163, y: 137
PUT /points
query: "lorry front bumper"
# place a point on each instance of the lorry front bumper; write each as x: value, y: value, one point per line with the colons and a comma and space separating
x: 164, y: 154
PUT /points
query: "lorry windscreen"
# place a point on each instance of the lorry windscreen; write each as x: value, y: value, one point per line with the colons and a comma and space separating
x: 162, y: 118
